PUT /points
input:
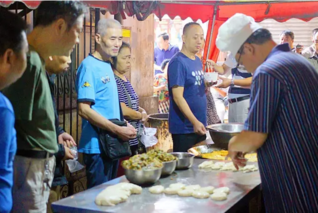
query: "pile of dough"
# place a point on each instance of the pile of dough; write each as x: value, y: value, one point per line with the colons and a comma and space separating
x: 226, y: 166
x: 229, y: 167
x: 219, y: 196
x: 193, y: 187
x: 249, y: 168
x: 118, y: 193
x: 225, y: 190
x: 208, y: 189
x: 174, y: 188
x: 200, y: 194
x: 156, y: 189
x: 206, y: 164
x: 185, y: 192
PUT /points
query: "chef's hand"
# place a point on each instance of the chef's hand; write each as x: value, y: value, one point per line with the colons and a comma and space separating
x: 210, y: 63
x: 209, y: 84
x: 66, y: 139
x: 224, y: 84
x: 199, y: 128
x: 68, y: 153
x: 144, y: 116
x: 237, y: 157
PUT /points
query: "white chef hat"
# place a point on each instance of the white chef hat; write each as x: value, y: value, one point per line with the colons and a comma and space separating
x: 235, y: 31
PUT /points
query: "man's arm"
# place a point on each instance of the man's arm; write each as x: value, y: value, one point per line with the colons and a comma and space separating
x: 86, y: 112
x: 247, y: 141
x: 185, y: 109
x: 246, y: 82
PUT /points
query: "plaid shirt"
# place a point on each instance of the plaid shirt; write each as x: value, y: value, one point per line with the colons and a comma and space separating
x: 311, y: 55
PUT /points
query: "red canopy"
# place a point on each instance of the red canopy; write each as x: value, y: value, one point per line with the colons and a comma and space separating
x: 280, y: 11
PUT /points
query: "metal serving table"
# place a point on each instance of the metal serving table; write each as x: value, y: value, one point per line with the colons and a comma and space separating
x: 243, y: 186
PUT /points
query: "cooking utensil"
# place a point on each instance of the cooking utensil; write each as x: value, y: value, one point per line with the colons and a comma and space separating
x: 144, y: 176
x: 168, y: 168
x: 185, y: 160
x: 222, y: 133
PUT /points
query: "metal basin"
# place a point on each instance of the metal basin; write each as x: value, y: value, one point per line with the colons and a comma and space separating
x: 221, y: 134
x: 168, y: 168
x: 144, y: 176
x: 185, y: 160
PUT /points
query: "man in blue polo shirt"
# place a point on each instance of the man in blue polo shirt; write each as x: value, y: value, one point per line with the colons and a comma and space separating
x: 282, y: 123
x: 13, y: 49
x: 98, y: 102
x: 188, y: 104
x: 163, y: 51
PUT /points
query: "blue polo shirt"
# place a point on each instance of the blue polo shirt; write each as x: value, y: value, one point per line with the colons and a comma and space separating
x: 95, y: 83
x: 161, y: 55
x: 8, y: 148
x: 284, y: 104
x: 186, y: 73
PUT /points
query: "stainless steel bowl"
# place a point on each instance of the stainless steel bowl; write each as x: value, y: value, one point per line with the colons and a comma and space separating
x: 185, y: 160
x: 144, y: 176
x: 168, y: 168
x: 222, y: 133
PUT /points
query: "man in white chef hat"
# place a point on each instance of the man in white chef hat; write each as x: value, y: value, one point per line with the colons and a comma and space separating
x: 282, y: 124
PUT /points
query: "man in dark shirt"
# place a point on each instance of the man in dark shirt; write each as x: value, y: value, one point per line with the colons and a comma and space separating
x: 163, y: 51
x: 55, y: 65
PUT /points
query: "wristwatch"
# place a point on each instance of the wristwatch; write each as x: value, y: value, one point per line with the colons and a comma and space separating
x: 232, y: 82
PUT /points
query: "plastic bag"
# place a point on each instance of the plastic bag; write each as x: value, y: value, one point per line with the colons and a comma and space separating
x: 148, y: 137
x: 74, y: 165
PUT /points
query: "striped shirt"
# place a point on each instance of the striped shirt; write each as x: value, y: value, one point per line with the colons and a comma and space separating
x: 284, y: 104
x: 125, y: 88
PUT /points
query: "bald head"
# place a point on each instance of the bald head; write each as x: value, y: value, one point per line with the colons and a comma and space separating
x: 105, y: 24
x: 193, y: 37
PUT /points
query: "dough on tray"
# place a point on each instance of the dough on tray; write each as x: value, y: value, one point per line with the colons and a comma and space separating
x: 115, y: 194
x: 171, y: 191
x: 206, y: 164
x: 200, y: 194
x: 219, y: 196
x: 225, y: 190
x: 177, y: 185
x: 208, y: 189
x: 193, y: 187
x: 249, y: 168
x: 156, y: 189
x: 228, y: 167
x: 185, y: 192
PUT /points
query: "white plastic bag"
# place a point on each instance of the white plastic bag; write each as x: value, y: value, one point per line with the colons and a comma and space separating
x: 74, y: 165
x: 148, y: 137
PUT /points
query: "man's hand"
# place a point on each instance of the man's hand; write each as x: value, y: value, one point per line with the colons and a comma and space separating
x: 127, y: 133
x: 66, y: 139
x: 237, y: 157
x: 68, y: 154
x: 199, y: 128
x: 224, y: 84
x: 144, y: 116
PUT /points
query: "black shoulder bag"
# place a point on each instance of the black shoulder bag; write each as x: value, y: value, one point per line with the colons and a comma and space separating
x: 111, y: 146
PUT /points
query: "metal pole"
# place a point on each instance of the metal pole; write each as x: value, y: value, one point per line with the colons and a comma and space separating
x: 212, y: 29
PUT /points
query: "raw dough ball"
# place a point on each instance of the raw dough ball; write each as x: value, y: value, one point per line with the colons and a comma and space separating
x: 249, y: 168
x: 193, y: 187
x: 111, y: 196
x: 171, y: 191
x: 225, y: 190
x: 134, y: 189
x: 219, y: 196
x: 200, y: 194
x: 228, y: 167
x: 177, y: 185
x: 217, y: 165
x: 208, y: 189
x: 115, y: 194
x: 185, y: 193
x: 156, y: 189
x: 206, y: 165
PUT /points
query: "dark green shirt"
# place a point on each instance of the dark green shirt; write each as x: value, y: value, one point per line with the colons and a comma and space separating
x: 33, y: 107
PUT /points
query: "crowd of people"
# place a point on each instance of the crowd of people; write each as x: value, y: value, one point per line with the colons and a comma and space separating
x: 272, y: 90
